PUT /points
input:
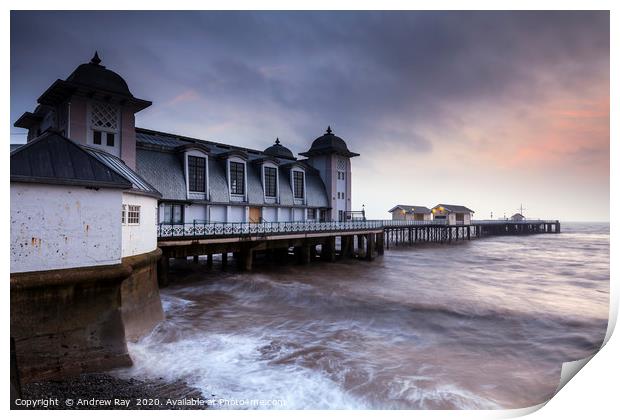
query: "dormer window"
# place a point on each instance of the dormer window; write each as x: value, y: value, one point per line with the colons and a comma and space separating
x: 271, y: 186
x: 196, y: 170
x: 237, y: 178
x: 298, y: 184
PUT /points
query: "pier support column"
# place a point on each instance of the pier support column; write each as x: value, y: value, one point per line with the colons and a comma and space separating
x: 328, y: 249
x: 195, y: 259
x: 209, y: 260
x: 245, y: 258
x: 162, y: 271
x: 347, y: 245
x: 380, y: 240
x: 224, y: 259
x: 370, y: 242
x: 302, y: 253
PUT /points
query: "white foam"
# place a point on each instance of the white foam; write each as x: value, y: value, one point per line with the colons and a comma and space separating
x: 233, y: 367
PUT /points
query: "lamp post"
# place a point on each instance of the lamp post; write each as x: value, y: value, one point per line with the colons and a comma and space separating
x: 363, y: 213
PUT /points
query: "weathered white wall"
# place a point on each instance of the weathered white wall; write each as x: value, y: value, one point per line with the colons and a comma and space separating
x: 299, y: 215
x: 140, y: 238
x: 197, y: 212
x: 270, y: 214
x: 236, y: 214
x: 284, y: 214
x: 55, y: 227
x: 217, y: 214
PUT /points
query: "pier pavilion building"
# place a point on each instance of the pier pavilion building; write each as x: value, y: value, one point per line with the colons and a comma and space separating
x: 410, y: 212
x: 453, y: 214
x: 88, y: 191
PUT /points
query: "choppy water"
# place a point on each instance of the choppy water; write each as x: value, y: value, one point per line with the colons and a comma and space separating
x: 482, y: 324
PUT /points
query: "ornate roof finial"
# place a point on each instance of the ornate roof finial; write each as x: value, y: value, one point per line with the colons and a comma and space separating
x: 329, y: 130
x: 277, y: 140
x: 95, y: 60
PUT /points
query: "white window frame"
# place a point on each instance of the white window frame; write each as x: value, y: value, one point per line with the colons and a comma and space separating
x: 186, y: 165
x: 265, y: 196
x: 245, y: 178
x: 131, y: 208
x: 104, y: 130
x: 292, y: 180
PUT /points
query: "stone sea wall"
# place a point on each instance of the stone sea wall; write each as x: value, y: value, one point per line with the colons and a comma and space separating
x: 70, y: 321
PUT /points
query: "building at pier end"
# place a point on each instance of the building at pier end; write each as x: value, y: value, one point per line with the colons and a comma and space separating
x: 88, y: 191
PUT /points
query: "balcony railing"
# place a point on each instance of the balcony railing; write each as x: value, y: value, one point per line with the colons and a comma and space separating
x: 502, y: 222
x: 171, y: 230
x: 218, y: 229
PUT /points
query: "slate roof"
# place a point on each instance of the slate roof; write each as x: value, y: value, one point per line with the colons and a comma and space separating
x: 452, y: 208
x: 139, y: 184
x: 159, y: 162
x: 95, y: 75
x: 164, y: 171
x: 411, y: 209
x: 277, y: 150
x: 54, y: 159
x: 329, y: 143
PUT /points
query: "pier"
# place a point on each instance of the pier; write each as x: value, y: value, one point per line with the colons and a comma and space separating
x: 326, y: 241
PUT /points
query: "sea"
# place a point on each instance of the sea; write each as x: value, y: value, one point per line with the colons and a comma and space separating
x: 480, y: 324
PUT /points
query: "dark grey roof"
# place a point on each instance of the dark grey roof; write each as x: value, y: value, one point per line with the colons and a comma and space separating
x: 16, y: 146
x: 452, y: 208
x: 139, y: 184
x: 316, y: 196
x: 54, y: 159
x: 279, y: 151
x: 218, y: 181
x: 411, y: 209
x: 158, y: 139
x: 94, y: 75
x: 164, y: 171
x: 329, y: 143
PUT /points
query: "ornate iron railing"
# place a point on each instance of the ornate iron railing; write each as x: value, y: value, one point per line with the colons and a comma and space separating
x: 215, y: 229
x: 503, y: 222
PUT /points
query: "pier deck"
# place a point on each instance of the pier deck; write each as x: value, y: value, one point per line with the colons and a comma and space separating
x: 360, y: 238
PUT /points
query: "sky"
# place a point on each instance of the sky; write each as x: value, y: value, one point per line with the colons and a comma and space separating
x: 491, y: 110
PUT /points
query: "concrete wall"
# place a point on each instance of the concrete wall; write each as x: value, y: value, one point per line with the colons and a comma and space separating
x: 141, y: 305
x: 71, y: 321
x: 66, y: 322
x: 55, y: 227
x: 140, y: 238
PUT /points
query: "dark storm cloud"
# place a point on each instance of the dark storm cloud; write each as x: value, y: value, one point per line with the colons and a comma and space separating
x: 376, y: 76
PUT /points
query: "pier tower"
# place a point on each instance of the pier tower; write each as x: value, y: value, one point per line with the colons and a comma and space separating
x: 330, y: 155
x: 93, y: 107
